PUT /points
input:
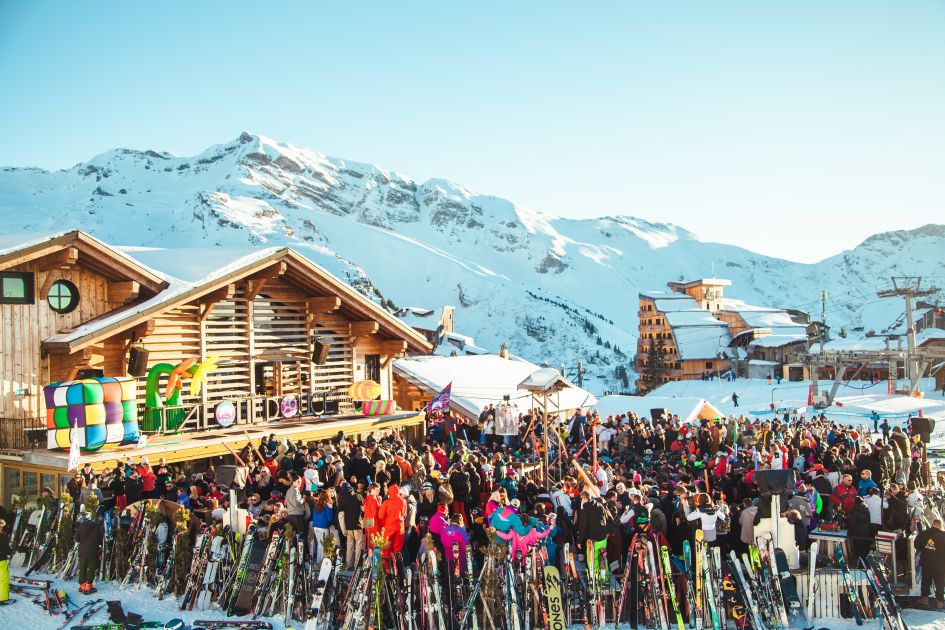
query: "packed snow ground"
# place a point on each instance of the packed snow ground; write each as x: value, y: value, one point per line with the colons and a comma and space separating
x: 22, y: 614
x: 857, y: 398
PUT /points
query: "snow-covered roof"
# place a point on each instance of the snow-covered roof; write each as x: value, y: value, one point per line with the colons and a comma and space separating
x: 676, y: 302
x: 415, y: 317
x: 693, y: 318
x: 545, y: 379
x: 669, y: 295
x: 175, y: 262
x: 17, y: 248
x: 481, y: 380
x: 777, y: 340
x: 192, y: 272
x: 701, y: 342
x: 717, y: 282
x: 698, y: 335
x: 10, y: 243
x: 776, y: 319
x: 460, y: 344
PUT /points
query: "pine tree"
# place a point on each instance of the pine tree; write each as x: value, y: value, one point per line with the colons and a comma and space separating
x: 654, y: 372
x: 183, y: 553
x: 66, y: 534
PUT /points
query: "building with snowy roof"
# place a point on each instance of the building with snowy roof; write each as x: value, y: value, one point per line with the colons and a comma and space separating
x: 477, y: 381
x: 694, y: 331
x: 280, y: 342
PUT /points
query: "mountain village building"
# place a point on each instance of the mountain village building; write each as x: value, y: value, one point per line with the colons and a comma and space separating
x: 694, y: 332
x: 280, y: 340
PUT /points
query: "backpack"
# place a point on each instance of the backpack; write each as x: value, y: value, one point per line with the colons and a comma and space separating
x: 724, y: 523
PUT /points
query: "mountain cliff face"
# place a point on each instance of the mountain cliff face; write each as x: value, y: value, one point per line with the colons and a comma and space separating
x: 556, y: 289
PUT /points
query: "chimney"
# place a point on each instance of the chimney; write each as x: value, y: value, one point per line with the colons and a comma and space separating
x: 446, y: 319
x: 504, y: 350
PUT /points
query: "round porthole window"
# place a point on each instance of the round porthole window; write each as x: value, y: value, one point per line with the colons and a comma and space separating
x: 63, y: 296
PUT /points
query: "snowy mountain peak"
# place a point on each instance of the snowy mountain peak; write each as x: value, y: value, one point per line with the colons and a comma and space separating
x: 555, y: 289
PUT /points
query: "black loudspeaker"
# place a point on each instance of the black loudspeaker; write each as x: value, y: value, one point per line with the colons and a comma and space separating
x: 776, y: 480
x: 138, y: 361
x: 923, y: 427
x: 320, y: 352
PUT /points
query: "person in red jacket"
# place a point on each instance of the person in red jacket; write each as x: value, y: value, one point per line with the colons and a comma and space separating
x: 148, y: 479
x: 439, y: 455
x: 391, y: 515
x: 844, y: 495
x: 371, y: 521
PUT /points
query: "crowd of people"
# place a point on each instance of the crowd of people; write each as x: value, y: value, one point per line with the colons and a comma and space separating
x: 609, y: 479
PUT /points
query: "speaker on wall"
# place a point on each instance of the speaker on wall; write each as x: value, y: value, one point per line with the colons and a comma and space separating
x: 138, y: 361
x: 320, y: 352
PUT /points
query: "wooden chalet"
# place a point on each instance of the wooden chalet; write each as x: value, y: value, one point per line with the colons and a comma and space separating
x: 281, y: 326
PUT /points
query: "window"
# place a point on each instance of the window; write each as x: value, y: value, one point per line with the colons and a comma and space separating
x: 16, y: 288
x: 708, y: 365
x: 63, y: 296
x: 372, y: 367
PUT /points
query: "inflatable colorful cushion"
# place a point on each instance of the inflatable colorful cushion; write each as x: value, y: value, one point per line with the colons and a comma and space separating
x: 103, y: 410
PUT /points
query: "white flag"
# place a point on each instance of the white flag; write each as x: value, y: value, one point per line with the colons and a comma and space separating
x: 73, y: 450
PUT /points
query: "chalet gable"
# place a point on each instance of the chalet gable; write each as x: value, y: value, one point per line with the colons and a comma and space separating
x: 47, y: 256
x: 252, y: 275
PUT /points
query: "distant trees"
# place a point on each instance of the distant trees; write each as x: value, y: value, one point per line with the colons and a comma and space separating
x: 655, y: 372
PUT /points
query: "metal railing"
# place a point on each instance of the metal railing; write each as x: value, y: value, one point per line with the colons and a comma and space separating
x: 22, y: 434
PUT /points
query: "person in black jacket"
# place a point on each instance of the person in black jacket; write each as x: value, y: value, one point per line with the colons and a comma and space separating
x: 88, y: 533
x: 593, y: 523
x: 349, y: 521
x: 461, y: 487
x: 359, y: 468
x: 858, y: 530
x: 931, y: 546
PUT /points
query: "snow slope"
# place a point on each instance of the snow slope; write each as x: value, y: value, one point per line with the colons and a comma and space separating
x: 556, y: 289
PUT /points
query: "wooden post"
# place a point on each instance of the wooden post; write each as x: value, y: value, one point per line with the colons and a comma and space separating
x: 233, y: 453
x: 253, y: 446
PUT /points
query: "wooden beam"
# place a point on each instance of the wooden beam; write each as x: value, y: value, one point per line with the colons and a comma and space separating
x: 123, y: 291
x: 269, y: 273
x: 63, y: 258
x: 48, y: 277
x: 324, y: 304
x: 253, y: 287
x: 210, y: 300
x: 393, y: 346
x: 360, y: 329
x: 143, y: 329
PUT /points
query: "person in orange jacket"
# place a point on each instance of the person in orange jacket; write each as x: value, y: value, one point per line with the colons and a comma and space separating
x: 391, y: 515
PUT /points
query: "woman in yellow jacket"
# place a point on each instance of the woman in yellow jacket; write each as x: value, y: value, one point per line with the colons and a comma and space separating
x: 4, y: 564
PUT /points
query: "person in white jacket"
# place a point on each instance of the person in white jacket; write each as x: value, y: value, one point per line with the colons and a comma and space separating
x: 708, y: 515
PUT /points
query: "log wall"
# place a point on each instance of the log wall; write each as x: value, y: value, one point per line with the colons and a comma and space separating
x: 24, y: 326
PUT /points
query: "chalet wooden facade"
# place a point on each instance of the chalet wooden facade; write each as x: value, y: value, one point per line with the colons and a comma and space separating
x: 279, y: 325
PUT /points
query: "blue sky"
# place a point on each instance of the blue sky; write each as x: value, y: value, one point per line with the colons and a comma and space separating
x: 815, y: 123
